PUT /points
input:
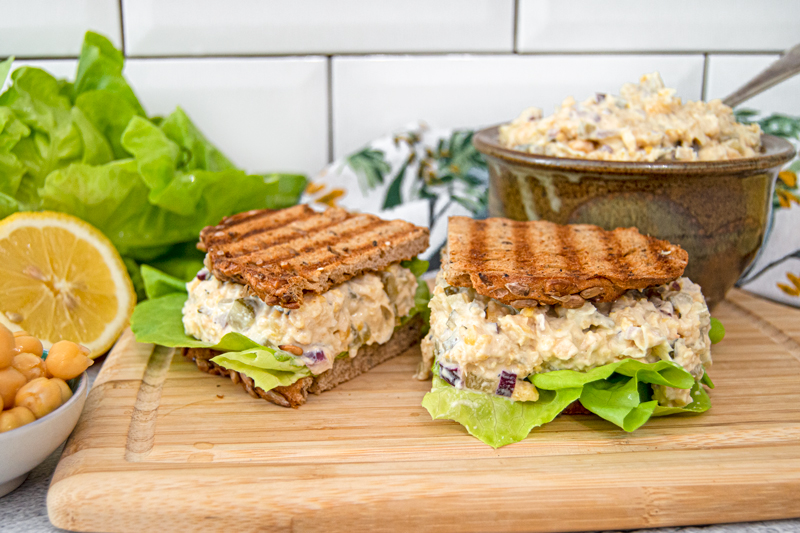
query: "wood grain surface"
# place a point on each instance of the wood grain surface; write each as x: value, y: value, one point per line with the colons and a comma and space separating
x: 162, y: 446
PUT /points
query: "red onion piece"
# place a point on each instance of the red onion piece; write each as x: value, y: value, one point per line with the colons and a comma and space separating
x: 508, y: 380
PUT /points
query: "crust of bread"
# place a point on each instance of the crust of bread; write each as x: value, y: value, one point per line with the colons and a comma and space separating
x: 280, y: 255
x: 547, y: 263
x: 344, y: 368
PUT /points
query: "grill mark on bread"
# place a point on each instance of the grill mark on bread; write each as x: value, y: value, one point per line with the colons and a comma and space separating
x: 611, y: 245
x: 476, y: 252
x: 317, y: 244
x: 297, y: 231
x: 210, y: 235
x: 519, y: 237
x: 620, y: 257
x: 549, y: 262
x: 294, y: 233
x: 565, y: 242
x: 333, y: 258
x: 300, y: 250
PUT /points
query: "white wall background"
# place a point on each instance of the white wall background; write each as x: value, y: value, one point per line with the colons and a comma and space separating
x: 289, y: 85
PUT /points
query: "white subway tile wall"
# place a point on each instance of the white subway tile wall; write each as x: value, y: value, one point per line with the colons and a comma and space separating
x: 265, y: 114
x: 288, y: 85
x: 726, y: 73
x: 678, y: 25
x: 375, y: 95
x: 211, y: 27
x: 55, y: 28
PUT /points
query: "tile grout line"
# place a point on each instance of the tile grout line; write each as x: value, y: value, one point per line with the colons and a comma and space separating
x: 634, y: 53
x: 330, y: 108
x: 514, y: 29
x: 122, y: 29
x: 704, y: 86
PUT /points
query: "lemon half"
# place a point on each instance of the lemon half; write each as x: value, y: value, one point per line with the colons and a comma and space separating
x: 62, y: 279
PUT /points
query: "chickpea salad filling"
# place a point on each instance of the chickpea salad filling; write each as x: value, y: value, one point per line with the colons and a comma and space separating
x: 362, y: 311
x: 271, y: 345
x: 646, y: 122
x: 501, y: 371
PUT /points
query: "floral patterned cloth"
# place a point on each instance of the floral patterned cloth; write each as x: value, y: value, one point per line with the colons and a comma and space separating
x: 425, y: 175
x: 775, y: 273
x: 420, y: 174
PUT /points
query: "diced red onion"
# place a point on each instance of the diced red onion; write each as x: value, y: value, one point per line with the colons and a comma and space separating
x: 314, y: 356
x: 450, y: 374
x: 508, y: 380
x: 202, y: 275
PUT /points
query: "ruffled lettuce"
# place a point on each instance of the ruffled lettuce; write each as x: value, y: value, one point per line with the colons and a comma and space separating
x: 618, y: 392
x: 422, y: 296
x: 495, y: 420
x: 159, y: 320
x: 89, y: 149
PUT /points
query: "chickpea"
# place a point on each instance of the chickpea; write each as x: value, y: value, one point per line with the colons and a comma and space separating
x: 67, y: 360
x: 66, y: 392
x: 7, y: 351
x: 41, y: 396
x: 31, y: 366
x: 28, y: 344
x: 14, y: 418
x: 11, y: 380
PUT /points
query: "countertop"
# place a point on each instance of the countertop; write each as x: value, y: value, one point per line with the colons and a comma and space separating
x: 25, y: 509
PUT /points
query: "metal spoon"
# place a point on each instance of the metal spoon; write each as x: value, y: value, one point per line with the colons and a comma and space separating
x: 784, y: 68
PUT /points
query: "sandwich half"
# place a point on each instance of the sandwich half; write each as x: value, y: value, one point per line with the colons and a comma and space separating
x: 296, y: 301
x: 531, y: 319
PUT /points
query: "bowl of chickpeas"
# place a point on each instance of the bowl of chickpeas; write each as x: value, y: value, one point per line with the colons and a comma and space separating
x: 42, y: 395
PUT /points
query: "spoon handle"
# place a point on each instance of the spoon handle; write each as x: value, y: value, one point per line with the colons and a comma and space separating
x: 784, y: 68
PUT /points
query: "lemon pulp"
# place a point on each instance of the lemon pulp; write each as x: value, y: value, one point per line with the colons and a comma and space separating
x: 61, y: 279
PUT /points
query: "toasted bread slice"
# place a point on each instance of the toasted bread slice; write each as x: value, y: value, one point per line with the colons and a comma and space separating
x: 344, y: 368
x: 525, y: 263
x: 282, y: 254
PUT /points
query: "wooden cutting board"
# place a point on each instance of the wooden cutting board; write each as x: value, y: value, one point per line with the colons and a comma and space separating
x: 163, y: 447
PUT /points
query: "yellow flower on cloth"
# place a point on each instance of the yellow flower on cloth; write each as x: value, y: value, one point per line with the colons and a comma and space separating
x: 420, y: 174
x: 779, y: 257
x: 794, y: 289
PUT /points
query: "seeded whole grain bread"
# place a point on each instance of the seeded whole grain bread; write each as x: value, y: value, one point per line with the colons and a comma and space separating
x: 344, y: 368
x: 528, y: 263
x: 282, y: 254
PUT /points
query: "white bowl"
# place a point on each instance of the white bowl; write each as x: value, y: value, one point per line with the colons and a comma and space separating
x: 22, y: 449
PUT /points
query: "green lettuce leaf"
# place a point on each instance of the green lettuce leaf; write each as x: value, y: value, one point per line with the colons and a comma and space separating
x: 100, y: 68
x: 265, y: 367
x: 89, y: 149
x: 619, y: 392
x: 115, y: 199
x: 158, y: 283
x: 717, y: 332
x: 700, y: 403
x: 158, y: 321
x: 5, y: 68
x: 495, y: 420
x: 422, y: 296
x: 416, y: 265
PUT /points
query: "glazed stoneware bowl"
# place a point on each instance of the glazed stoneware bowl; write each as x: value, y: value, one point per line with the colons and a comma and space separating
x: 22, y: 449
x: 718, y: 211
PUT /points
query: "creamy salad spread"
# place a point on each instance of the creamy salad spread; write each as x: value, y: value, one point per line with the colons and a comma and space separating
x: 483, y: 345
x: 363, y: 310
x: 647, y: 122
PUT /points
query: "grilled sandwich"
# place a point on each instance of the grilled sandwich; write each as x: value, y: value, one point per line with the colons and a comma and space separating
x: 534, y: 318
x: 332, y: 291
